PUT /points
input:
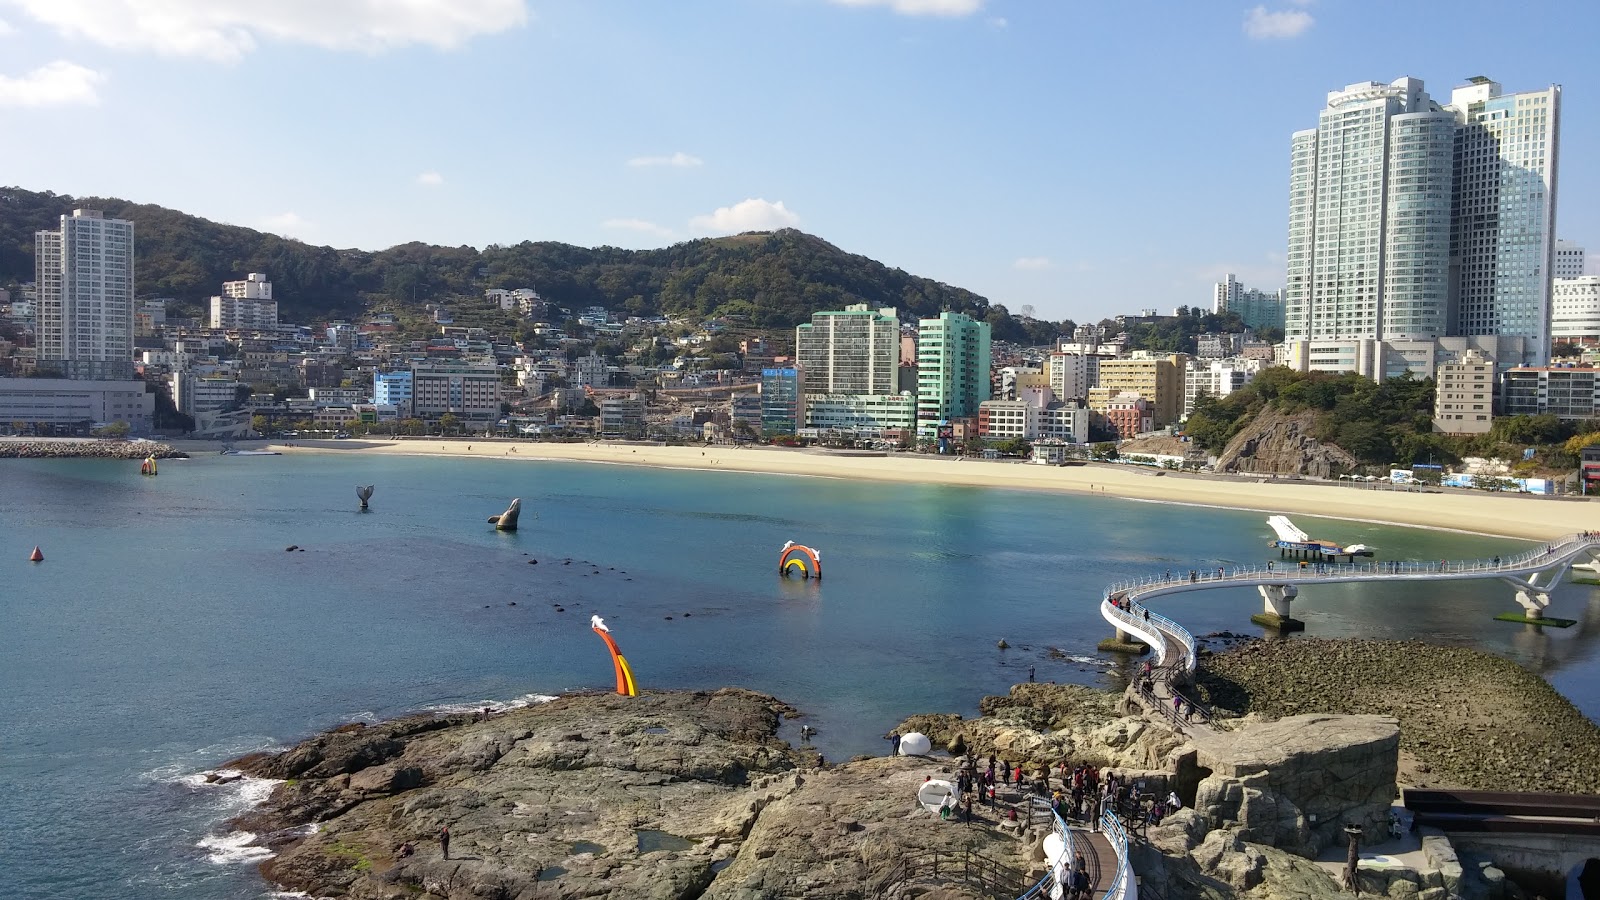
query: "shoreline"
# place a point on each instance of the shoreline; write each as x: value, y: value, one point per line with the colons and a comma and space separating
x: 1510, y: 516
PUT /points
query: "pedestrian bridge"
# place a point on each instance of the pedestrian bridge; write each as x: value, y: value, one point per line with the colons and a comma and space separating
x: 1531, y: 575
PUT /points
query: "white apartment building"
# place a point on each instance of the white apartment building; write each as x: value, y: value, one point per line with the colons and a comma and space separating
x: 1570, y: 259
x: 1073, y: 374
x: 1068, y: 423
x: 1411, y: 222
x: 866, y: 414
x: 84, y: 277
x: 244, y: 313
x: 590, y: 371
x: 193, y: 394
x: 60, y: 401
x: 1258, y: 308
x: 1216, y: 378
x: 1575, y: 311
x: 1004, y: 420
x: 1503, y: 237
x: 1463, y: 402
x: 254, y: 286
x: 855, y: 351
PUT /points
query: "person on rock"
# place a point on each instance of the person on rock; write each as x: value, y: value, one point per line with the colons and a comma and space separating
x: 444, y: 841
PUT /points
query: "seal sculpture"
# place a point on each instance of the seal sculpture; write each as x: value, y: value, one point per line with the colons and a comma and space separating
x: 507, y: 521
x: 364, y: 493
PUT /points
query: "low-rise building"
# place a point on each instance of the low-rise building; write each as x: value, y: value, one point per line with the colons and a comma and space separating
x: 68, y: 403
x: 1463, y: 401
x: 782, y: 400
x: 1575, y: 311
x: 1567, y: 392
x: 1127, y: 415
x: 469, y: 391
x: 621, y: 417
x: 860, y: 413
x: 393, y: 389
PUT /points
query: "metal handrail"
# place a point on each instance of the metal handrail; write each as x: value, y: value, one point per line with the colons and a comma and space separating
x: 1122, y: 886
x: 1059, y: 826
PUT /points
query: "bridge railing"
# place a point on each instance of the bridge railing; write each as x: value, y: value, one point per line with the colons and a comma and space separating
x: 1509, y: 565
x: 1122, y: 886
x: 1069, y: 857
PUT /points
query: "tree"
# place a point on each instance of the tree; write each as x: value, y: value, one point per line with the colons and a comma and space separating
x: 449, y: 423
x: 1564, y: 349
x: 115, y: 431
x: 259, y: 424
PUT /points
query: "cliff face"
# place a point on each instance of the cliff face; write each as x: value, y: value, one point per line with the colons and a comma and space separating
x: 1279, y: 444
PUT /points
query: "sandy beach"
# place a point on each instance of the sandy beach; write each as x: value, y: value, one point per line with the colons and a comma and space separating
x: 1521, y: 516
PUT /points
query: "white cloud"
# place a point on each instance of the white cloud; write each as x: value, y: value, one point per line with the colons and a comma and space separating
x: 287, y: 224
x: 1033, y: 263
x: 60, y: 83
x: 1263, y: 25
x: 640, y: 225
x: 227, y: 30
x: 922, y: 7
x: 998, y: 22
x: 680, y: 160
x: 754, y: 214
x: 430, y: 179
x: 5, y: 28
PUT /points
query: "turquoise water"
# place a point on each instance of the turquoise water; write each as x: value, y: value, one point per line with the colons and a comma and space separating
x: 168, y: 630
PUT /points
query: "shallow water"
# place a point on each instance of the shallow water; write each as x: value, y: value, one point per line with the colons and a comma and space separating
x: 168, y: 630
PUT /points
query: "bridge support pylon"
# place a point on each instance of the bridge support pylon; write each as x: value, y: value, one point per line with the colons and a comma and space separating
x: 1277, y: 598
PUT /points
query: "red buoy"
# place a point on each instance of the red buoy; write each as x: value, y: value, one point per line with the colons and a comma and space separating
x: 36, y: 555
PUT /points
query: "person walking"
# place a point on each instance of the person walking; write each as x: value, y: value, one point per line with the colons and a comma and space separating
x: 894, y: 744
x: 1030, y: 673
x: 444, y: 841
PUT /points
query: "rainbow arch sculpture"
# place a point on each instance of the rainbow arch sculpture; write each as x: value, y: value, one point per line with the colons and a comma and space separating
x: 625, y: 685
x: 799, y: 559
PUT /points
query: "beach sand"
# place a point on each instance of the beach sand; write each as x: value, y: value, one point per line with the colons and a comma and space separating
x: 1511, y: 515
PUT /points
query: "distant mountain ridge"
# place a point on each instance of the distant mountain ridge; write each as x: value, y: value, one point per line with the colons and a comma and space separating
x: 776, y: 279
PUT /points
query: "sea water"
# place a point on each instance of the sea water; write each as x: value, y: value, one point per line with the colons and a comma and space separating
x: 169, y: 630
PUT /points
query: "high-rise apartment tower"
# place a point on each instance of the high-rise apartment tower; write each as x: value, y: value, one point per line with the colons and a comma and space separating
x: 84, y: 272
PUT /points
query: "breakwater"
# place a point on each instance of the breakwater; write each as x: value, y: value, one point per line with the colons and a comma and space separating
x: 88, y: 448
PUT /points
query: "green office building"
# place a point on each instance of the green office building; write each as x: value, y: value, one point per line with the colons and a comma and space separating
x: 952, y: 369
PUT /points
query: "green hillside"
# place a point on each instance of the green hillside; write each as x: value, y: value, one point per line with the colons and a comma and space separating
x: 775, y: 279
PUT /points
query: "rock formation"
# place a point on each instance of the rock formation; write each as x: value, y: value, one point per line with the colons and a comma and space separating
x: 1296, y: 782
x: 1275, y: 443
x: 364, y: 493
x: 507, y: 521
x: 87, y: 449
x: 667, y: 795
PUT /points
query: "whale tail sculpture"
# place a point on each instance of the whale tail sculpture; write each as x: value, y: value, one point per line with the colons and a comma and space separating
x: 507, y: 521
x: 364, y: 493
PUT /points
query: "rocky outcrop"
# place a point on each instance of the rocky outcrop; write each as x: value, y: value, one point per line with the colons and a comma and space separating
x: 1276, y: 443
x: 1468, y: 719
x: 666, y: 795
x: 87, y: 449
x: 1296, y: 782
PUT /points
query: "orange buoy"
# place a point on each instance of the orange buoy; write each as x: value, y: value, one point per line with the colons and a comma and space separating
x: 36, y: 555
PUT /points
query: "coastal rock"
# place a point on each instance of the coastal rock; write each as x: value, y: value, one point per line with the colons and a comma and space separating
x: 1277, y: 443
x: 1468, y: 719
x: 1295, y: 783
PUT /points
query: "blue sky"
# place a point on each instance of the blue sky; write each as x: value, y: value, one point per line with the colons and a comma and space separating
x: 1085, y: 158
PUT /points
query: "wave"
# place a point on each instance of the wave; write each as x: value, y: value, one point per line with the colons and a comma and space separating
x: 234, y: 848
x: 494, y: 706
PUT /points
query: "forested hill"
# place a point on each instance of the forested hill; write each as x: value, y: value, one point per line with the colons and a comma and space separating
x: 777, y: 279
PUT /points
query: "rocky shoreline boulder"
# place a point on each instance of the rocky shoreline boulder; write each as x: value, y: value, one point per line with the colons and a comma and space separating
x: 86, y: 449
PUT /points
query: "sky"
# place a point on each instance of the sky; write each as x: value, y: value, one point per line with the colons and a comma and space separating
x: 1082, y: 158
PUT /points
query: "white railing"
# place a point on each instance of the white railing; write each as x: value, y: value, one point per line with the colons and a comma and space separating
x: 1061, y: 872
x: 1144, y: 631
x: 1521, y: 564
x: 1122, y: 886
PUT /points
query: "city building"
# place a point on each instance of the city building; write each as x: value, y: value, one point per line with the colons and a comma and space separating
x: 1215, y: 378
x: 254, y: 286
x: 952, y: 369
x: 1259, y: 309
x: 590, y: 371
x: 621, y: 417
x: 84, y: 277
x: 61, y: 404
x: 1570, y: 260
x: 245, y: 304
x: 1410, y: 222
x: 1463, y: 401
x: 745, y: 409
x: 782, y: 401
x: 1502, y: 243
x: 1562, y: 391
x: 1218, y: 346
x: 1126, y: 415
x: 1004, y: 420
x: 867, y: 415
x: 1065, y: 422
x: 1157, y: 380
x: 195, y: 394
x: 393, y: 389
x: 854, y: 351
x: 1575, y: 311
x: 1071, y: 375
x: 470, y: 391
